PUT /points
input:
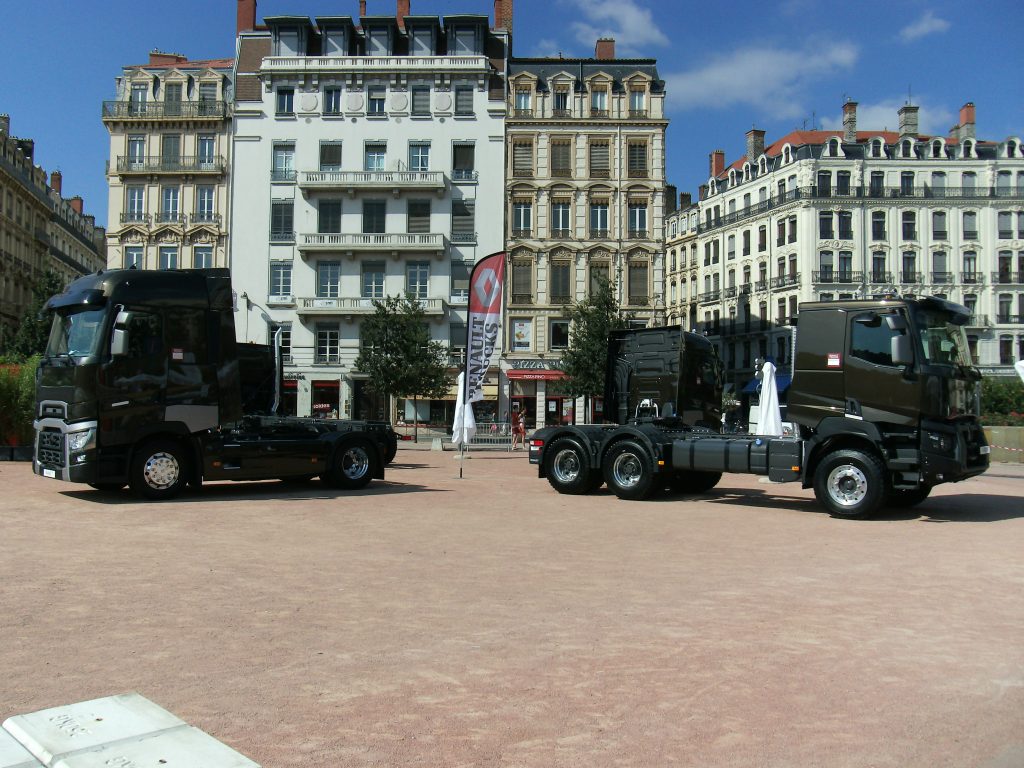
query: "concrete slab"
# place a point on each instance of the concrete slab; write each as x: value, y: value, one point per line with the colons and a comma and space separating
x: 14, y: 755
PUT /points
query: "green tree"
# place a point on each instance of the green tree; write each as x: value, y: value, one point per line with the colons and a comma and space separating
x: 17, y: 400
x: 397, y: 353
x: 1002, y: 401
x: 33, y: 333
x: 591, y: 322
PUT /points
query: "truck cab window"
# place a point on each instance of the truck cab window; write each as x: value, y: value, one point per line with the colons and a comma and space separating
x: 871, y: 340
x: 145, y: 335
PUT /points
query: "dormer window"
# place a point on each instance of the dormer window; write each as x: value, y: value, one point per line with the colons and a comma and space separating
x: 335, y: 42
x: 937, y: 149
x: 787, y: 155
x: 1012, y: 148
x: 906, y: 148
x: 560, y: 101
x: 732, y: 177
x: 523, y: 101
x: 833, y: 148
x: 762, y: 165
x: 746, y: 171
x: 288, y: 42
x: 968, y: 148
x: 877, y: 148
x: 377, y: 43
x: 637, y: 102
x: 422, y: 42
x: 599, y: 101
x: 465, y: 41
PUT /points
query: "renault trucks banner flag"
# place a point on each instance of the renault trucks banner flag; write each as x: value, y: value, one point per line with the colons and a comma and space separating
x: 486, y: 289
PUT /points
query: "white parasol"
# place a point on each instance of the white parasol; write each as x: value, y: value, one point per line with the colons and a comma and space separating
x: 769, y: 418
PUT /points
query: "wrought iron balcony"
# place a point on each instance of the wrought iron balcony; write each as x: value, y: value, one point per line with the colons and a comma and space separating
x: 1008, y: 278
x: 709, y: 296
x: 164, y: 110
x: 464, y: 174
x: 730, y: 292
x: 975, y: 278
x: 371, y: 180
x: 761, y: 286
x: 638, y: 234
x: 979, y: 321
x: 785, y: 281
x: 170, y: 217
x: 880, y: 277
x: 375, y: 64
x: 638, y: 173
x: 522, y: 232
x: 562, y: 234
x: 135, y: 217
x: 158, y: 164
x: 522, y: 298
x: 357, y: 241
x: 206, y: 217
x: 561, y: 173
x: 942, y: 278
x: 638, y: 114
x: 522, y: 112
x: 598, y: 234
x: 1002, y: 319
x: 336, y: 305
x: 282, y: 174
x: 523, y: 173
x: 598, y: 112
x: 561, y: 113
x: 838, y: 277
x: 911, y: 278
x: 639, y: 301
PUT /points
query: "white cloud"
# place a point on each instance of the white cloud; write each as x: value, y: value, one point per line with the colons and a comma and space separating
x: 884, y: 115
x: 633, y: 27
x: 547, y: 48
x: 772, y: 80
x: 929, y: 24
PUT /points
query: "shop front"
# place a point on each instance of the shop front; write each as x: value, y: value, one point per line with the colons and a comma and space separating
x: 537, y: 394
x: 289, y: 405
x: 325, y: 399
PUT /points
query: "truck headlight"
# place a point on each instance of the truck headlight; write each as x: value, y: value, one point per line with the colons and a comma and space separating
x: 79, y: 441
x: 941, y: 442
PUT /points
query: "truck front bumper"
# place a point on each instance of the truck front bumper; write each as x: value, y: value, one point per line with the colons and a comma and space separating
x: 951, y: 452
x: 65, y: 451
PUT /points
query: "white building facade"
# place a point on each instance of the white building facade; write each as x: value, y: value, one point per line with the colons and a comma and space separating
x: 367, y: 163
x: 822, y: 215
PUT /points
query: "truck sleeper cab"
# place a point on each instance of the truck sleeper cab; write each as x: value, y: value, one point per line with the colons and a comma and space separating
x: 884, y: 396
x: 144, y: 384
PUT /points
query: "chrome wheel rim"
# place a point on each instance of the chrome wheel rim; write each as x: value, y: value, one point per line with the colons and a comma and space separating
x: 627, y: 470
x: 847, y: 485
x: 355, y: 463
x: 566, y: 466
x: 161, y: 471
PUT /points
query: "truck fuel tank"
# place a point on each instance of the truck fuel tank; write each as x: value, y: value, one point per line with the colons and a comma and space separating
x: 778, y: 457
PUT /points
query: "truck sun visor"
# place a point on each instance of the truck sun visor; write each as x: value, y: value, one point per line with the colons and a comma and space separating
x: 88, y: 298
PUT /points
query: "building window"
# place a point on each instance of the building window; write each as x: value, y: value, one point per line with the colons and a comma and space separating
x: 792, y: 229
x: 746, y: 242
x: 878, y: 225
x: 285, y: 101
x: 522, y: 157
x: 374, y: 157
x: 561, y: 158
x: 843, y: 183
x: 1005, y: 219
x: 204, y: 203
x: 282, y: 227
x: 824, y: 183
x: 328, y: 343
x: 373, y: 280
x: 845, y: 225
x: 522, y: 334
x: 559, y: 276
x: 136, y: 151
x: 599, y: 168
x: 909, y: 220
x: 970, y: 273
x: 940, y: 268
x: 328, y: 279
x: 598, y: 275
x: 280, y: 279
x: 135, y: 206
x: 202, y: 256
x: 825, y: 230
x: 637, y: 219
x: 523, y: 100
x: 599, y: 219
x: 637, y: 159
x: 560, y: 226
x: 907, y: 183
x: 909, y: 275
x: 878, y: 273
x: 375, y: 100
x: 970, y: 225
x: 328, y: 217
x: 463, y: 162
x: 730, y: 247
x: 522, y: 218
x: 463, y: 221
x: 637, y: 102
x: 332, y: 101
x: 168, y: 257
x: 522, y: 282
x: 939, y: 225
x: 637, y: 278
x: 418, y: 217
x: 876, y: 186
x: 169, y: 204
x: 133, y: 257
x: 421, y: 100
x: 560, y: 102
x: 419, y: 157
x: 463, y: 100
x: 374, y: 215
x: 283, y: 162
x: 558, y: 336
x: 330, y: 156
x: 599, y: 102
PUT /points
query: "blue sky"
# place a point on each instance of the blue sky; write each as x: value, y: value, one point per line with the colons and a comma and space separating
x: 727, y: 66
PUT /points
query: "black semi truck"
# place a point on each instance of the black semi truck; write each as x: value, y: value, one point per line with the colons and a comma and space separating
x: 884, y: 397
x: 144, y: 384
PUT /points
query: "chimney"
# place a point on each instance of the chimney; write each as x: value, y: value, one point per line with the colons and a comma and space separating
x: 5, y: 124
x: 908, y: 120
x: 159, y: 58
x: 850, y: 122
x: 55, y: 182
x: 717, y: 163
x: 967, y: 121
x: 246, y: 16
x: 503, y: 14
x: 401, y: 11
x: 605, y: 48
x: 685, y: 200
x: 76, y: 204
x: 755, y: 144
x: 670, y: 198
x: 362, y: 8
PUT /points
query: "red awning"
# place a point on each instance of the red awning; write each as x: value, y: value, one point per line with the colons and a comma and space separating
x: 327, y: 384
x: 527, y: 374
x: 290, y: 384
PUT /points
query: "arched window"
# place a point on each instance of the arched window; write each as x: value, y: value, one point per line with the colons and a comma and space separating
x: 833, y: 148
x: 877, y: 148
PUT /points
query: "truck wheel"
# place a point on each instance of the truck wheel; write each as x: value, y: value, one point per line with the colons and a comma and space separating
x: 355, y: 464
x: 850, y: 483
x: 628, y: 470
x: 692, y: 481
x: 159, y: 470
x: 901, y: 498
x: 391, y: 452
x: 568, y: 468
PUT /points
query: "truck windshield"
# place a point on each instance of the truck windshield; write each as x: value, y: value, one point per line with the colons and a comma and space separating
x: 76, y: 334
x: 944, y: 343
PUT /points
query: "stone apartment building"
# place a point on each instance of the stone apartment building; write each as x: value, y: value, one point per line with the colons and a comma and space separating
x: 585, y: 186
x: 368, y: 157
x: 40, y: 230
x: 833, y: 214
x: 168, y: 171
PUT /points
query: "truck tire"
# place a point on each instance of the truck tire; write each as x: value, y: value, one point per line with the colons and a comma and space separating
x: 568, y: 468
x: 850, y: 483
x: 902, y: 498
x: 693, y: 481
x: 159, y: 470
x: 628, y: 470
x: 355, y: 464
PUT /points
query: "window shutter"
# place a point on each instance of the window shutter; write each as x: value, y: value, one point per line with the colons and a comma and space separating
x: 599, y: 158
x: 522, y: 156
x: 560, y: 160
x: 463, y: 223
x: 419, y: 217
x: 420, y: 101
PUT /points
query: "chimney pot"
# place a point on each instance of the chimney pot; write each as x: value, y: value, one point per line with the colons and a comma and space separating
x: 76, y: 203
x: 685, y: 200
x: 605, y: 48
x: 362, y: 8
x: 967, y: 121
x: 850, y: 122
x: 717, y: 163
x: 55, y: 182
x: 246, y: 18
x: 5, y: 124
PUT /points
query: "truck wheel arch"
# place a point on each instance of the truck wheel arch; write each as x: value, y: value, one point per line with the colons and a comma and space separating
x: 839, y: 434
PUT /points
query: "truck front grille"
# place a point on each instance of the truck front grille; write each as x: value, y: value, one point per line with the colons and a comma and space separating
x: 51, y: 449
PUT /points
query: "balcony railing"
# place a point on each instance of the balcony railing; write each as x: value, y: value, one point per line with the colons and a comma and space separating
x: 205, y: 217
x: 637, y: 173
x: 157, y: 164
x: 170, y: 217
x: 357, y: 241
x: 1002, y: 319
x: 638, y: 114
x: 371, y: 179
x: 976, y: 278
x: 639, y: 301
x: 562, y: 234
x: 164, y: 110
x: 1008, y: 278
x: 942, y: 278
x: 638, y: 234
x: 838, y: 277
x: 522, y: 112
x: 911, y: 278
x: 561, y: 113
x: 317, y: 305
x: 880, y: 278
x: 761, y: 286
x: 561, y: 173
x: 598, y: 234
x: 598, y: 112
x: 282, y: 174
x: 522, y: 298
x: 786, y: 281
x: 375, y: 64
x: 709, y: 296
x: 464, y: 174
x: 979, y: 321
x: 523, y: 173
x: 561, y: 299
x: 135, y: 217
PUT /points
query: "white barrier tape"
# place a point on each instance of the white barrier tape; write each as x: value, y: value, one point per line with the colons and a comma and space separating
x: 1005, y: 448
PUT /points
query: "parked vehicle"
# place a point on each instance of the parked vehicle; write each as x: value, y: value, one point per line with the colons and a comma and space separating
x: 143, y: 384
x: 884, y: 398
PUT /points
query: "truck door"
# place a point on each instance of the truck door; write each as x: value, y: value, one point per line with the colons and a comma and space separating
x: 876, y: 388
x: 132, y: 386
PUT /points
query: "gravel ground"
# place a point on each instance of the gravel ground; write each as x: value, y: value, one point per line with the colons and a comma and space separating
x: 488, y: 621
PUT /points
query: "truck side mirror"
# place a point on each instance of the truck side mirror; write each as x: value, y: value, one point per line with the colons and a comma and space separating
x: 901, y: 350
x: 896, y: 322
x: 119, y: 339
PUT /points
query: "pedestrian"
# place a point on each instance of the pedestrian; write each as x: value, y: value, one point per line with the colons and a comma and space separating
x: 518, y: 431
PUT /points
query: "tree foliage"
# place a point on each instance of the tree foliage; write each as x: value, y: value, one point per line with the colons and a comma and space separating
x: 33, y: 333
x: 17, y: 400
x: 1002, y: 402
x: 397, y: 353
x: 591, y: 322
